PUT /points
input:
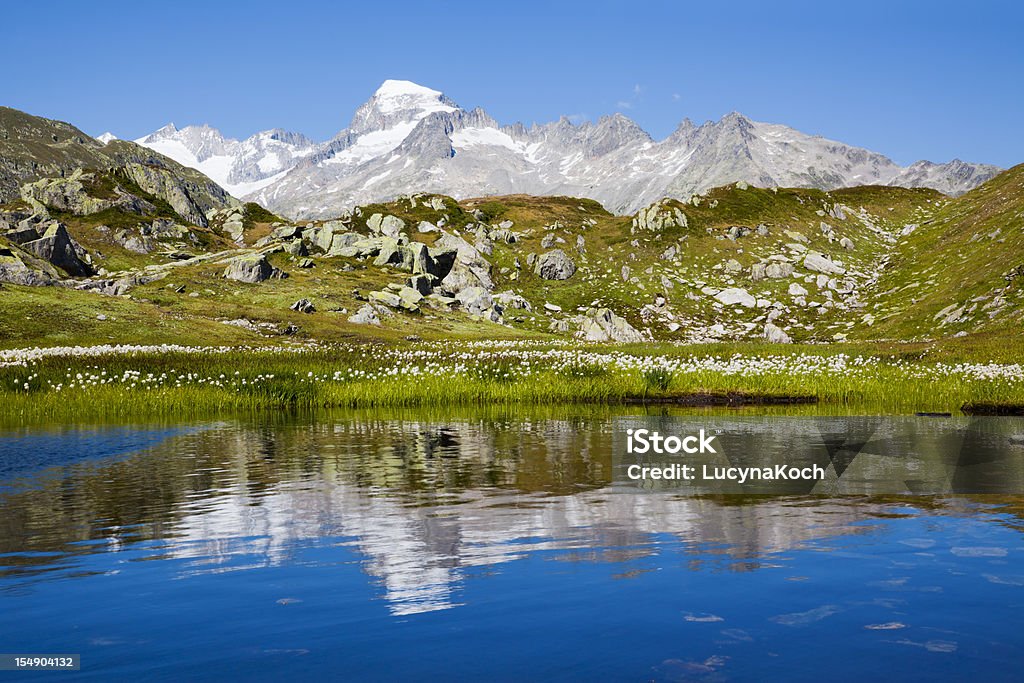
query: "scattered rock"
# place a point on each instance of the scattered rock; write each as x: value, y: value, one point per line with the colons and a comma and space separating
x: 303, y: 306
x: 736, y: 295
x: 796, y: 289
x: 422, y: 284
x: 820, y: 263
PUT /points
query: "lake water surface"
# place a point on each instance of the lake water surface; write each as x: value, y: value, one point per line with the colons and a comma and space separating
x: 477, y: 545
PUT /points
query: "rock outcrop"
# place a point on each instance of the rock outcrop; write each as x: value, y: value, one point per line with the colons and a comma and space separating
x: 666, y: 213
x: 555, y: 265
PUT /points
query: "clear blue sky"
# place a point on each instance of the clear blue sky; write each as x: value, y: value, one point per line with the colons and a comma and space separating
x: 909, y: 79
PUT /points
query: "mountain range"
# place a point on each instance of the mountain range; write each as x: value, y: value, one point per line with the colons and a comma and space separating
x: 408, y: 138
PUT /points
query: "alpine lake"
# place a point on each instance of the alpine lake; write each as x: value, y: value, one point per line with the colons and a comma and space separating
x: 495, y: 544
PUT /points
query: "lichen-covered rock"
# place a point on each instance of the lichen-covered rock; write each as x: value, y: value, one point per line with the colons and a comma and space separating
x: 15, y: 270
x: 71, y: 195
x: 475, y: 300
x: 252, y: 268
x: 666, y: 213
x: 297, y: 248
x: 339, y: 243
x: 389, y: 299
x: 389, y: 226
x: 555, y: 265
x: 165, y: 185
x: 422, y: 283
x: 410, y: 299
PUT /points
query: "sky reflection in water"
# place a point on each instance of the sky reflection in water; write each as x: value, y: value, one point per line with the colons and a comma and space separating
x: 481, y: 546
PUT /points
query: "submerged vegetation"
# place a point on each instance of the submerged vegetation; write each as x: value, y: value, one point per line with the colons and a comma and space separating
x: 103, y: 382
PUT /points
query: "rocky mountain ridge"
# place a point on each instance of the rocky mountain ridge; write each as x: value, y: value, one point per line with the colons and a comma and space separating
x: 408, y: 138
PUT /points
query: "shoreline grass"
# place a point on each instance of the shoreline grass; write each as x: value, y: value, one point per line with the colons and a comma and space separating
x: 208, y: 382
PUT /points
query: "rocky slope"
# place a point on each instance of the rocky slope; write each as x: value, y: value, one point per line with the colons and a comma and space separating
x: 32, y: 147
x: 410, y: 138
x: 733, y: 263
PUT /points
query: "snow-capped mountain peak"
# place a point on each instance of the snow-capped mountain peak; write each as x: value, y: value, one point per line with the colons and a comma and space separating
x: 398, y: 102
x: 239, y: 166
x: 410, y: 138
x: 106, y: 137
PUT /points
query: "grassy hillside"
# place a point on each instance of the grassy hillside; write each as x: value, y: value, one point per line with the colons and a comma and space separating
x: 959, y: 270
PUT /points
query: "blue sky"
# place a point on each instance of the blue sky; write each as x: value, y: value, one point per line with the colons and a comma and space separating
x: 908, y: 79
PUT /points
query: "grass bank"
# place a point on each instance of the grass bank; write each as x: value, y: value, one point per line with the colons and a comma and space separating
x: 83, y: 384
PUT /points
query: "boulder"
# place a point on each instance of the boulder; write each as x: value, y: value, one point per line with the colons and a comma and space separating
x: 337, y: 242
x: 440, y: 261
x: 15, y: 270
x: 364, y: 247
x: 820, y: 263
x: 409, y: 299
x: 555, y: 265
x: 775, y: 334
x: 287, y: 232
x: 392, y: 253
x: 252, y: 268
x: 419, y: 258
x: 303, y: 306
x: 602, y: 325
x: 367, y: 315
x: 297, y: 248
x: 504, y: 235
x: 475, y: 300
x: 778, y: 270
x: 513, y: 300
x: 389, y: 226
x: 389, y: 299
x: 422, y: 283
x: 733, y: 296
x: 57, y: 247
x: 795, y: 289
x: 846, y: 243
x: 140, y: 244
x: 469, y: 267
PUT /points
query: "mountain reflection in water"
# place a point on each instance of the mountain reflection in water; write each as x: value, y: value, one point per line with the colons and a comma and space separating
x: 428, y: 505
